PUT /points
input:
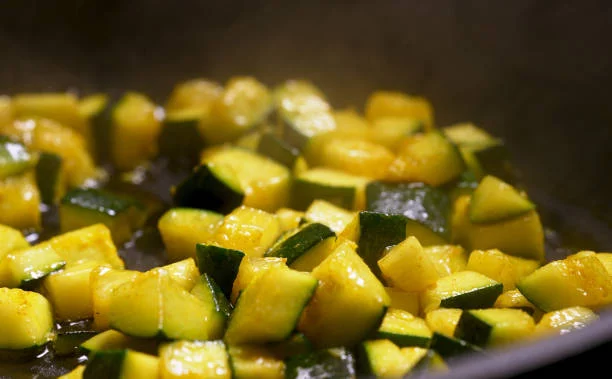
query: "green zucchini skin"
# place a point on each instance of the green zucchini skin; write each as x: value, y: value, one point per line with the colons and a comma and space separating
x: 96, y: 200
x: 431, y: 206
x: 304, y: 192
x: 275, y: 148
x: 205, y: 188
x: 319, y: 364
x: 69, y: 343
x: 180, y: 141
x: 495, y: 160
x: 101, y: 129
x: 307, y: 236
x: 220, y: 263
x: 222, y: 304
x: 48, y: 171
x: 376, y: 232
x: 452, y: 347
x: 105, y: 364
x: 479, y: 298
x: 15, y: 158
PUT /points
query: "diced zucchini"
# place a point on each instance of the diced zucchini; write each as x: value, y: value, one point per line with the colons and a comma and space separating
x: 389, y: 131
x: 450, y: 347
x: 269, y: 308
x: 91, y: 243
x: 50, y: 178
x: 103, y: 280
x: 443, y: 320
x: 494, y: 326
x: 97, y: 109
x: 180, y: 139
x: 27, y: 319
x: 495, y: 200
x: 463, y: 289
x: 135, y: 129
x: 420, y: 202
x: 264, y: 182
x: 501, y: 267
x: 155, y: 305
x: 20, y: 202
x: 423, y: 360
x: 244, y: 103
x: 429, y: 158
x: 184, y: 272
x: 220, y: 263
x: 45, y: 135
x: 15, y: 158
x: 306, y: 246
x: 201, y: 359
x: 181, y: 229
x: 346, y: 286
x: 68, y: 343
x: 375, y: 232
x: 578, y: 280
x: 381, y: 358
x: 82, y: 207
x: 275, y: 148
x: 407, y: 301
x: 250, y: 268
x: 605, y: 258
x: 303, y: 111
x: 23, y: 267
x: 121, y: 364
x: 289, y: 218
x: 516, y: 300
x: 404, y: 329
x: 338, y: 362
x: 255, y: 361
x: 326, y: 213
x: 210, y: 186
x: 197, y: 93
x: 382, y: 104
x: 447, y: 258
x: 565, y: 320
x: 356, y: 156
x: 407, y: 267
x: 220, y: 308
x: 522, y: 236
x: 296, y: 344
x: 12, y: 239
x: 61, y: 107
x: 114, y: 340
x: 70, y: 292
x: 468, y: 134
x: 249, y: 230
x: 337, y: 187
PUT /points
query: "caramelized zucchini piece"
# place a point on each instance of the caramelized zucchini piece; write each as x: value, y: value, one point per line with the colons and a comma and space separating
x: 197, y: 359
x: 463, y: 289
x: 114, y: 340
x: 447, y: 258
x: 406, y: 301
x: 443, y: 320
x: 103, y: 281
x: 27, y: 319
x: 207, y: 290
x: 61, y: 107
x: 282, y: 289
x: 181, y: 229
x: 337, y: 362
x: 244, y: 103
x: 70, y: 291
x: 494, y: 326
x: 264, y: 182
x: 211, y: 187
x: 565, y: 320
x: 23, y: 267
x: 12, y: 239
x: 429, y: 158
x: 20, y: 202
x: 404, y: 329
x: 197, y: 93
x: 382, y: 104
x: 121, y: 364
x: 304, y: 247
x: 495, y: 200
x: 346, y: 286
x: 501, y: 267
x: 255, y: 361
x: 249, y: 230
x: 356, y: 156
x: 578, y: 280
x: 50, y: 178
x: 326, y: 213
x: 221, y: 264
x: 250, y: 268
x: 135, y: 128
x: 381, y: 358
x: 407, y: 267
x: 180, y: 140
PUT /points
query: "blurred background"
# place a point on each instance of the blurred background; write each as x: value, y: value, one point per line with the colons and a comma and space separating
x: 535, y: 73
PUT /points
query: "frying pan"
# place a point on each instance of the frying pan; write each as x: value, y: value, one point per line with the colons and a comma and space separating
x: 533, y: 73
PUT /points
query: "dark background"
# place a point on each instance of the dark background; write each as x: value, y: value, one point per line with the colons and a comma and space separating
x: 535, y: 73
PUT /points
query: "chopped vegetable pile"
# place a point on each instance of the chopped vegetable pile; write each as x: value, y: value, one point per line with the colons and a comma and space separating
x: 298, y: 240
